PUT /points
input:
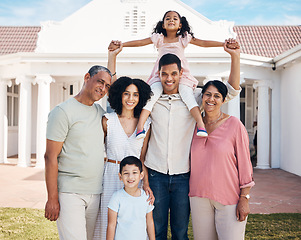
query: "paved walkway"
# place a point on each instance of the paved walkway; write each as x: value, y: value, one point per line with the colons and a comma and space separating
x: 276, y: 191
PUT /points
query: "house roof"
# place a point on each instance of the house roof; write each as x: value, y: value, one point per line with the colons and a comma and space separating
x: 266, y: 41
x: 18, y: 39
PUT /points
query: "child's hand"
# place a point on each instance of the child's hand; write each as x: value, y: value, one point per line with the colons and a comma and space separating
x: 232, y: 43
x: 116, y: 49
x: 114, y: 45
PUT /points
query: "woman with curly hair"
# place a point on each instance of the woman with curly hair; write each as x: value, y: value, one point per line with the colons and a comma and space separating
x: 127, y: 97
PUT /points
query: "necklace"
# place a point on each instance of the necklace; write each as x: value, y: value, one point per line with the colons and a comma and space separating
x: 220, y: 116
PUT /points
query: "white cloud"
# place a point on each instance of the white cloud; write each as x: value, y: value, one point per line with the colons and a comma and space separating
x: 38, y: 11
x: 194, y: 3
x: 23, y: 12
x: 241, y: 3
x: 292, y: 6
x: 292, y: 20
x: 59, y: 9
x: 251, y: 12
x: 276, y: 20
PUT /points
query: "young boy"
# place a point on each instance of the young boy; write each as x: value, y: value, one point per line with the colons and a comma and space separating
x: 129, y: 213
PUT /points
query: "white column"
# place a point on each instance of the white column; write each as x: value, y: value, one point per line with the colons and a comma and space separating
x: 234, y: 104
x: 234, y: 107
x: 3, y: 120
x: 263, y: 125
x: 43, y: 82
x: 24, y: 151
x: 275, y: 124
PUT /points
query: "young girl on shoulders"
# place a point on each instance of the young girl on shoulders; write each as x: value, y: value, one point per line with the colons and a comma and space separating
x: 172, y: 35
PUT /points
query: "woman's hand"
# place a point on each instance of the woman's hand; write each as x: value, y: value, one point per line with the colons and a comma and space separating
x: 112, y: 55
x: 232, y: 47
x: 232, y: 43
x: 242, y: 209
x: 114, y: 44
x: 149, y: 192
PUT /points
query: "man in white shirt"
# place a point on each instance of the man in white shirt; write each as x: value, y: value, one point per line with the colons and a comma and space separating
x: 168, y: 152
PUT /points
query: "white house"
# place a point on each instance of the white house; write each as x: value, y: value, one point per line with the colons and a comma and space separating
x: 43, y: 66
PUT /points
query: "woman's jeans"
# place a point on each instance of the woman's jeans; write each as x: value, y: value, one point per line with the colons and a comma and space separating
x: 171, y: 196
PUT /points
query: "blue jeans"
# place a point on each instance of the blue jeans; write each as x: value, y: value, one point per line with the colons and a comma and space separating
x: 171, y: 194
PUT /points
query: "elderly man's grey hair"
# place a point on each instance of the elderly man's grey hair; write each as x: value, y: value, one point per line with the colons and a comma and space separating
x: 96, y: 68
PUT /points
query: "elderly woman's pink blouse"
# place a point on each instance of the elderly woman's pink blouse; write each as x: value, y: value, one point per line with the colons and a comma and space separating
x: 220, y: 163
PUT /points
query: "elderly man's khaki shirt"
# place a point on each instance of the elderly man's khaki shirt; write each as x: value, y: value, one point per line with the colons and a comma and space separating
x: 171, y: 133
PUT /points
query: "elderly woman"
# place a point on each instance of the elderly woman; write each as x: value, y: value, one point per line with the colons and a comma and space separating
x: 127, y: 97
x: 221, y: 170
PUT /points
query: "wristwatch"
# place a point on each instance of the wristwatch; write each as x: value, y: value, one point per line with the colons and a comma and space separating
x: 247, y: 196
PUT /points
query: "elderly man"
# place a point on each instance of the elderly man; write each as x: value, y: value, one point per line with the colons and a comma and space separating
x: 168, y: 151
x: 74, y: 156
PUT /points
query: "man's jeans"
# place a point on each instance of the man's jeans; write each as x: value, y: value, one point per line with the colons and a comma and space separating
x: 171, y: 193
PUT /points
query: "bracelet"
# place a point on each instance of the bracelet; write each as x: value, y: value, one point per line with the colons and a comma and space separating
x: 247, y: 196
x: 113, y: 74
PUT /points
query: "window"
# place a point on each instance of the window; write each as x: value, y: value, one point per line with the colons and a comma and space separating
x: 135, y: 20
x: 13, y: 105
x: 142, y: 20
x: 246, y: 107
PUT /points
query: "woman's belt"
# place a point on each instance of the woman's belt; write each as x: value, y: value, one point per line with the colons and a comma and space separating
x: 113, y: 161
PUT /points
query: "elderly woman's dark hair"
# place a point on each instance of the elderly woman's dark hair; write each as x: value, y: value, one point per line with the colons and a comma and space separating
x: 221, y: 87
x: 119, y: 86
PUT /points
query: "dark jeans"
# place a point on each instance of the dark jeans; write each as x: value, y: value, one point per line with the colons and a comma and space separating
x: 171, y: 194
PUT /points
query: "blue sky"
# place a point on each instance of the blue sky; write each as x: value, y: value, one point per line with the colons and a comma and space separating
x: 242, y: 12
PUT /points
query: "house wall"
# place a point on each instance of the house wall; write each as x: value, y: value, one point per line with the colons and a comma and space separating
x: 94, y: 32
x: 290, y: 118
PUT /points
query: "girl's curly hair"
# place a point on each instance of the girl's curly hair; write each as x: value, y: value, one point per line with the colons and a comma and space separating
x: 117, y: 89
x: 185, y: 26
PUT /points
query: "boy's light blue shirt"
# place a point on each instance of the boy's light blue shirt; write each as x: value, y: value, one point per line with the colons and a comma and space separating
x: 131, y: 215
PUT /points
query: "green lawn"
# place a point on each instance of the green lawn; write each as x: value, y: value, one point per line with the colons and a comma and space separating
x: 21, y: 223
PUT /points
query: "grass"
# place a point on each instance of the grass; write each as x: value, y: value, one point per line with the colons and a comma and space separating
x: 274, y: 226
x: 22, y: 223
